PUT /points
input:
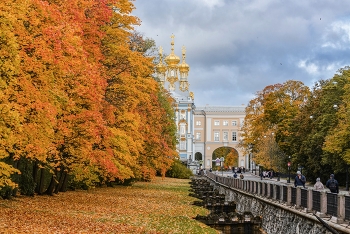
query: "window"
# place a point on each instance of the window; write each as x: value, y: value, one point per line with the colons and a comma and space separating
x: 182, y: 145
x: 182, y: 129
x: 216, y: 136
x: 198, y: 123
x: 216, y: 123
x: 234, y: 123
x: 183, y: 115
x: 234, y: 136
x: 198, y: 136
x: 225, y: 123
x: 225, y: 136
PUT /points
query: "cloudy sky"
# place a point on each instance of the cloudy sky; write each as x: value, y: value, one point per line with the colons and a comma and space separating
x: 237, y: 47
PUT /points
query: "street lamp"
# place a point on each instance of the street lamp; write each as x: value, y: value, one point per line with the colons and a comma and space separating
x: 347, y: 178
x: 222, y: 166
x: 288, y: 181
x: 260, y: 172
x: 250, y: 147
x: 217, y: 162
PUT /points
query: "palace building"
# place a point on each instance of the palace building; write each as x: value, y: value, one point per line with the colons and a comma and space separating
x: 201, y: 130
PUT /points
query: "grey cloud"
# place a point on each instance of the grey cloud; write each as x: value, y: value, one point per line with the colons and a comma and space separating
x: 236, y: 48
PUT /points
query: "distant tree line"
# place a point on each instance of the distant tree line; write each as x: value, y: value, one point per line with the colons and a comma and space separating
x: 308, y: 127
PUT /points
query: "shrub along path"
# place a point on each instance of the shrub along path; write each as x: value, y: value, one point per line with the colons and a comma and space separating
x: 161, y: 206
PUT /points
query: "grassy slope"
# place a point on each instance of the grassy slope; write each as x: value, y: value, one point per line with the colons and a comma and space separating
x: 161, y: 206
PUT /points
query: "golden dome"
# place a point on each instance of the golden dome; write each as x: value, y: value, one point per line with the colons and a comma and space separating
x: 172, y: 59
x: 160, y: 67
x: 184, y: 67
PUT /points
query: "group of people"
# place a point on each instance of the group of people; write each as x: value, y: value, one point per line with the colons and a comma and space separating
x: 331, y: 184
x: 266, y: 174
x: 239, y: 170
x: 241, y: 176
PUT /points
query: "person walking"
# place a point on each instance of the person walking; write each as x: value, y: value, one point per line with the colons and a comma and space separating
x: 332, y: 184
x: 241, y: 176
x: 318, y: 185
x: 299, y: 180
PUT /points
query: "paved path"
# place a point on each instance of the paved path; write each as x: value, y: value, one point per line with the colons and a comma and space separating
x: 252, y: 176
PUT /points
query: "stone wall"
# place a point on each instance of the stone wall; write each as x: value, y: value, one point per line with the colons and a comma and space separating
x: 277, y: 217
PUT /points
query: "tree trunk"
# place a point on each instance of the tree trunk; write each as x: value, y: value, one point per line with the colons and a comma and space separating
x: 16, y: 164
x: 65, y: 183
x: 61, y: 180
x: 52, y: 185
x: 41, y: 182
x: 35, y: 176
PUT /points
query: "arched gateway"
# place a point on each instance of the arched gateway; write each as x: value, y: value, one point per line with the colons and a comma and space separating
x: 215, y: 128
x: 228, y: 154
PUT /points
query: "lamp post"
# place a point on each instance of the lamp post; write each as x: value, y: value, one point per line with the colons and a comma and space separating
x: 347, y: 178
x: 288, y: 181
x: 250, y: 146
x: 217, y: 162
x: 222, y: 165
x: 260, y: 172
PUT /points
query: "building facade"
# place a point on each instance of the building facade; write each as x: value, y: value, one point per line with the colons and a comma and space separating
x: 216, y: 127
x: 173, y: 76
x: 201, y: 130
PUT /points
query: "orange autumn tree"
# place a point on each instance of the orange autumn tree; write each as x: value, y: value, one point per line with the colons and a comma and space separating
x: 33, y: 99
x: 268, y: 121
x: 123, y: 90
x: 231, y: 159
x: 9, y: 118
x: 77, y: 97
x: 59, y: 92
x: 139, y: 143
x: 83, y: 142
x: 159, y: 130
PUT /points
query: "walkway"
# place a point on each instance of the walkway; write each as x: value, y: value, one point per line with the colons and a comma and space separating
x: 252, y: 176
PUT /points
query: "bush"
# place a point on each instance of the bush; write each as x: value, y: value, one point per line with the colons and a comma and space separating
x: 6, y: 192
x: 179, y: 170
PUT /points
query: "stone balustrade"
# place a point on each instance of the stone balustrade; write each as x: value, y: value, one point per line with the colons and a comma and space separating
x: 336, y: 207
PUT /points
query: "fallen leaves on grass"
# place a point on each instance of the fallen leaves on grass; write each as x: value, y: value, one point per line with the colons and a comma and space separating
x: 161, y: 206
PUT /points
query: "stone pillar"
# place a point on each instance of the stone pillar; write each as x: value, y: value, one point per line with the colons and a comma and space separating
x: 309, y: 201
x: 264, y: 189
x: 298, y: 198
x: 323, y: 204
x: 341, y: 209
x: 289, y: 195
x: 274, y: 195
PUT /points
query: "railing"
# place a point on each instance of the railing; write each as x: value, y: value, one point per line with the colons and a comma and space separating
x: 304, y: 195
x: 294, y: 196
x: 325, y: 203
x: 347, y: 207
x: 271, y: 191
x: 278, y: 193
x: 332, y: 204
x: 316, y: 201
x: 285, y: 193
